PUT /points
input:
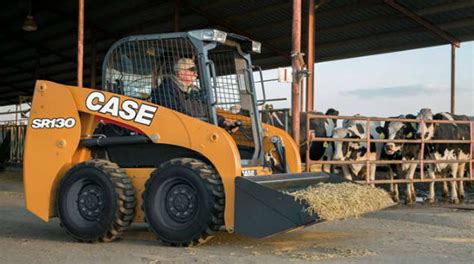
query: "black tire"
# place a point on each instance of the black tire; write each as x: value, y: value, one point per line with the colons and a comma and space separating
x: 184, y: 202
x: 96, y: 201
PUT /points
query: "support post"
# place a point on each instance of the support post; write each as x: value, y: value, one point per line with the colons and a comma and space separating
x: 295, y: 63
x: 453, y: 78
x: 177, y: 17
x: 93, y: 61
x: 80, y: 43
x: 310, y: 58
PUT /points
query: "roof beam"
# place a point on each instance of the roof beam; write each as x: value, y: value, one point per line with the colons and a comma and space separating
x: 113, y: 36
x: 72, y: 17
x: 355, y: 41
x: 446, y: 7
x: 390, y: 35
x: 16, y: 67
x: 354, y: 54
x: 104, y: 34
x: 384, y: 19
x: 321, y: 14
x: 14, y: 93
x: 218, y: 3
x: 57, y: 36
x: 12, y: 90
x: 37, y: 45
x: 258, y: 11
x: 425, y: 23
x: 224, y: 23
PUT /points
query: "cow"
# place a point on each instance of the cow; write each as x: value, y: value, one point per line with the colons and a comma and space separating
x: 322, y: 128
x: 357, y: 151
x: 400, y: 151
x: 318, y: 150
x: 443, y: 151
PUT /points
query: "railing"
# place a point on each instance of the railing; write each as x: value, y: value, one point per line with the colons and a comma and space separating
x: 368, y: 162
x: 269, y: 115
x: 15, y: 143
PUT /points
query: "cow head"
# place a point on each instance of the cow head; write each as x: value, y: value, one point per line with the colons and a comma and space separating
x: 396, y: 130
x: 333, y: 112
x: 428, y: 128
x: 344, y: 150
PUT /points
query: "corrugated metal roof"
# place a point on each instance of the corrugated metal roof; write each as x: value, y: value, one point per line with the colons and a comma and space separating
x: 344, y: 29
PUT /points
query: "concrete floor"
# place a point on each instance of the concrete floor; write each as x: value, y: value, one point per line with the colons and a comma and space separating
x: 418, y: 234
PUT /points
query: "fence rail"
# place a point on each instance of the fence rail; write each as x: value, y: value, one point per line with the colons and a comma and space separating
x: 368, y: 162
x: 12, y: 138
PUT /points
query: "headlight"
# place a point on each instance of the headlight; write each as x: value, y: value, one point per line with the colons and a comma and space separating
x: 256, y: 46
x: 214, y: 35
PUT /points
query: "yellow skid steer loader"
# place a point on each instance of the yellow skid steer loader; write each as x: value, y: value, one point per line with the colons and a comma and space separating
x: 173, y: 138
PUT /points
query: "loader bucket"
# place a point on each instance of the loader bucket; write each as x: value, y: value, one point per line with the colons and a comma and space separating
x: 263, y: 206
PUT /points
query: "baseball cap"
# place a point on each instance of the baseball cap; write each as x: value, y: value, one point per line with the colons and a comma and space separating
x: 184, y: 64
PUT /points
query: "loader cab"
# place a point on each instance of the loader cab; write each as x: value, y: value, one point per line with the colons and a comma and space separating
x: 147, y: 67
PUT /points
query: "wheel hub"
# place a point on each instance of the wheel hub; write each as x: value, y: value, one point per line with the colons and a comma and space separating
x: 91, y: 202
x: 181, y: 202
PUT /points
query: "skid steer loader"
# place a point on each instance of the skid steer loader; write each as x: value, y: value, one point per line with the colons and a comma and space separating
x: 133, y: 152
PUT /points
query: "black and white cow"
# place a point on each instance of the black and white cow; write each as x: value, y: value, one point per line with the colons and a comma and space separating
x: 318, y: 150
x: 322, y: 128
x: 437, y: 151
x: 357, y: 151
x: 400, y: 151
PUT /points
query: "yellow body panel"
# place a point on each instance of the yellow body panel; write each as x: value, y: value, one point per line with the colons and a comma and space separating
x: 50, y: 152
x: 139, y: 177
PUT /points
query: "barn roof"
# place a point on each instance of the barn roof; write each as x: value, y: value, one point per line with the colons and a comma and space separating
x: 344, y: 29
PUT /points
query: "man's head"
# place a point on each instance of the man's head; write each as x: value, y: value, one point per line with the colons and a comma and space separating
x: 185, y: 70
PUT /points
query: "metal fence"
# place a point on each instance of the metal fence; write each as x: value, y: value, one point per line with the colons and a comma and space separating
x: 12, y: 131
x: 12, y: 138
x: 276, y: 117
x: 368, y: 162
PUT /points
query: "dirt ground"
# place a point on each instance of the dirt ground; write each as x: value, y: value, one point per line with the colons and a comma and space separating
x: 417, y: 234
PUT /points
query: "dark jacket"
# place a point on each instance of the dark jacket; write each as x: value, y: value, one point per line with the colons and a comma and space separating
x: 169, y: 95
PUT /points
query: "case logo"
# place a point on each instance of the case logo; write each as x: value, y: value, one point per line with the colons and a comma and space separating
x: 53, y: 123
x: 126, y: 110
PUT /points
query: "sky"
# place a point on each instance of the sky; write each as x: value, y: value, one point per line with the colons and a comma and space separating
x: 389, y: 84
x: 385, y: 85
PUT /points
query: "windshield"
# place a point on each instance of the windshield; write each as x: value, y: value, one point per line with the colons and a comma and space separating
x: 234, y: 98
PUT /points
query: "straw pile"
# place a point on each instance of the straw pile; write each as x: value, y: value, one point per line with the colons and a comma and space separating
x: 344, y: 200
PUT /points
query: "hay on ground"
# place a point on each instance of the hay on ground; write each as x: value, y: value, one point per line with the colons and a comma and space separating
x: 344, y: 200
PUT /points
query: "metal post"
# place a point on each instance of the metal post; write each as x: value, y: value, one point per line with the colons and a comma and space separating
x: 177, y: 17
x: 367, y: 175
x: 302, y: 109
x: 16, y: 114
x: 295, y: 63
x: 93, y: 61
x: 80, y: 43
x: 308, y: 143
x: 310, y: 64
x: 422, y: 150
x: 471, y: 156
x: 453, y: 77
